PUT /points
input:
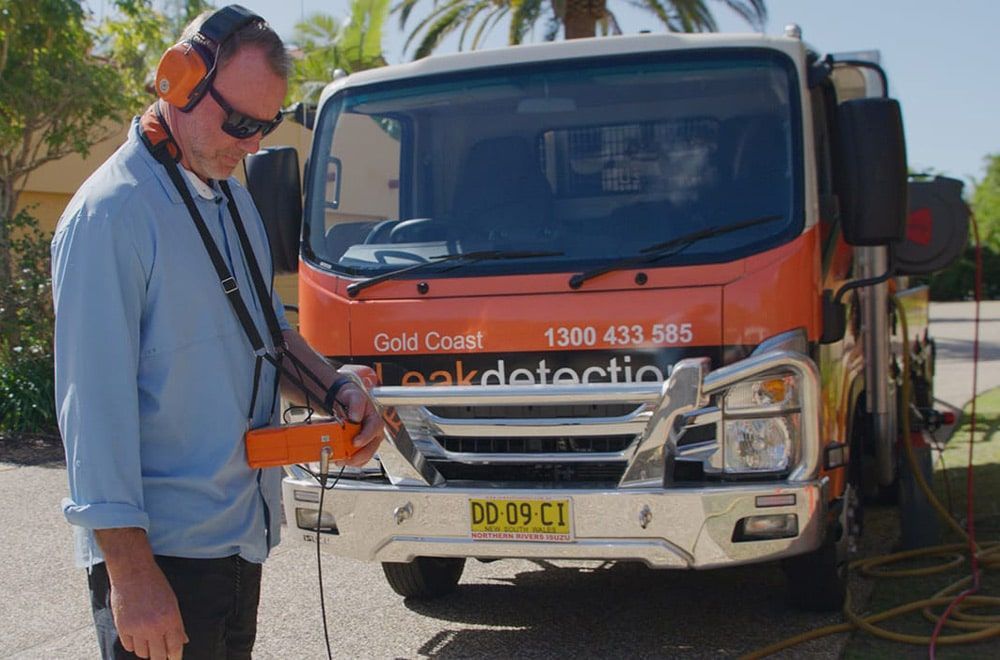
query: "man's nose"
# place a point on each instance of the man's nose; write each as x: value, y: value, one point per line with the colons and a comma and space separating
x: 251, y: 145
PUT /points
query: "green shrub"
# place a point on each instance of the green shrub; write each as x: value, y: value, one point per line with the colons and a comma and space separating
x: 27, y: 398
x: 957, y: 281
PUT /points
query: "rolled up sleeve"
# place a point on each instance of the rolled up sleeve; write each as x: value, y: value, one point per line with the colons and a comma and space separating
x: 99, y: 289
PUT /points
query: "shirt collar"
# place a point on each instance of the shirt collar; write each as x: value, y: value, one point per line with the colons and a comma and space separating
x: 204, y: 190
x: 160, y: 172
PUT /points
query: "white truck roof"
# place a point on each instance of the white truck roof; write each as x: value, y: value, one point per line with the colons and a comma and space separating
x: 571, y: 49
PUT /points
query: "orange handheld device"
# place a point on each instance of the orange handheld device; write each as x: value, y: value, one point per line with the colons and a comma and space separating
x: 304, y: 442
x: 300, y: 443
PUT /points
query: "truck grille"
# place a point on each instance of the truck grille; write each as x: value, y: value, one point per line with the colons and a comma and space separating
x: 543, y: 436
x: 537, y: 444
x: 543, y: 445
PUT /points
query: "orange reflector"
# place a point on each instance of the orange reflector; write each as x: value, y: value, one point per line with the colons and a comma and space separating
x: 300, y: 443
x: 775, y: 389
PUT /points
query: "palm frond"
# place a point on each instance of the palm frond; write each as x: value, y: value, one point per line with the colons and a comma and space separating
x: 657, y: 8
x: 609, y: 23
x: 489, y: 23
x: 752, y: 11
x: 403, y: 9
x: 364, y: 30
x: 469, y: 20
x: 526, y: 13
x: 438, y: 31
x: 432, y: 18
x: 318, y: 30
x: 694, y: 16
x: 552, y: 28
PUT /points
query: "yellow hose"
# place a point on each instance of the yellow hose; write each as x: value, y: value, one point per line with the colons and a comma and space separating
x: 988, y: 555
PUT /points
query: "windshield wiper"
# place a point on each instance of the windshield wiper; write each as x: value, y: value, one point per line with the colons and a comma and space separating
x: 657, y: 251
x: 461, y: 259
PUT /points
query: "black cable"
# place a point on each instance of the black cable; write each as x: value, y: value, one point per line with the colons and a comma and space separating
x: 291, y: 409
x: 319, y: 563
x: 305, y: 390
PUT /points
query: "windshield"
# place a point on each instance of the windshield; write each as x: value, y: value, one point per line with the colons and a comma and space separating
x: 591, y: 161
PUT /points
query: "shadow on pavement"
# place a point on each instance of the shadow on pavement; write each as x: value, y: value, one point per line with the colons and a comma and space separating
x: 961, y: 349
x: 619, y: 608
x: 39, y: 450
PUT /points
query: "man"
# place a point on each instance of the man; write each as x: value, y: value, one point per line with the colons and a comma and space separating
x: 155, y: 374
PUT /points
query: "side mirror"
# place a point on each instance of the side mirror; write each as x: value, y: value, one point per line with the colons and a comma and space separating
x: 871, y: 171
x: 303, y: 114
x: 273, y: 182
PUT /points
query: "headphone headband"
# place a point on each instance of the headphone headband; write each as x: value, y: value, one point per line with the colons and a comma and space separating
x: 225, y: 22
x: 186, y: 70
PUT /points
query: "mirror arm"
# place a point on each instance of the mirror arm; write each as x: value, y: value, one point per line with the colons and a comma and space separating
x: 870, y: 281
x: 834, y: 315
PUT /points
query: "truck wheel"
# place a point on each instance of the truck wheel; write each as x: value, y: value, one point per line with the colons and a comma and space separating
x: 817, y: 581
x: 424, y: 577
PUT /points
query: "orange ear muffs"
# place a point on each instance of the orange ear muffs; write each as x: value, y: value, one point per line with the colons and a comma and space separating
x: 186, y: 69
x: 181, y: 73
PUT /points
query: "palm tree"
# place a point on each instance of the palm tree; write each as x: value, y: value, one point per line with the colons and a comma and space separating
x: 326, y: 44
x: 578, y: 18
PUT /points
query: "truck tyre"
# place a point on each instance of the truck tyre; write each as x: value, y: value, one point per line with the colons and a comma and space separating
x: 817, y: 581
x: 424, y: 577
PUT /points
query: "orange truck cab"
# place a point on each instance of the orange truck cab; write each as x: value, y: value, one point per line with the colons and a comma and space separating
x: 626, y: 299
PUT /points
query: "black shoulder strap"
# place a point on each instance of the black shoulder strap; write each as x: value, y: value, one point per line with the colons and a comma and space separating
x: 263, y: 293
x: 226, y: 279
x: 231, y: 289
x: 264, y: 296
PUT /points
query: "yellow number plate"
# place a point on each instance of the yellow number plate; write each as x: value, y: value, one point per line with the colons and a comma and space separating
x: 503, y: 519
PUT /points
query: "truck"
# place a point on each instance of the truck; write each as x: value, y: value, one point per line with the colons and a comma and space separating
x: 621, y: 299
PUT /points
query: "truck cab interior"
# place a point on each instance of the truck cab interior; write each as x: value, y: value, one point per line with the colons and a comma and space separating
x: 592, y: 163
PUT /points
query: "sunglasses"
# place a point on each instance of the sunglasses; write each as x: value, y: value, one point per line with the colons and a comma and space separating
x: 239, y: 125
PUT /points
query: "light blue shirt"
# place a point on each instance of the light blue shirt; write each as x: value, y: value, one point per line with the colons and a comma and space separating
x: 154, y: 373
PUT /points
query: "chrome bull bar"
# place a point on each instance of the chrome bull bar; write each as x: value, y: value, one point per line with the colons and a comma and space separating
x: 657, y: 420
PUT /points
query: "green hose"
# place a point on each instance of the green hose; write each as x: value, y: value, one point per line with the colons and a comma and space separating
x: 988, y: 555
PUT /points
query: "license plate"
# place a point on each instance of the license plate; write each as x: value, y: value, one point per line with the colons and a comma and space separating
x: 515, y: 519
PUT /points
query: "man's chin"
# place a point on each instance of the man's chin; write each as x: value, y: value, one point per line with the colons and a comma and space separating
x: 223, y: 173
x: 229, y: 166
x: 221, y: 169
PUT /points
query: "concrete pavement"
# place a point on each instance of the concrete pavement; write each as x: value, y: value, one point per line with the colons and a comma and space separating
x: 504, y: 609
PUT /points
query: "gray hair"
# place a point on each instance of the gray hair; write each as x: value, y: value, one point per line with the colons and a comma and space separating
x: 258, y: 34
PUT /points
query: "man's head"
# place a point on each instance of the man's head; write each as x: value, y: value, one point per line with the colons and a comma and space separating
x: 241, y: 102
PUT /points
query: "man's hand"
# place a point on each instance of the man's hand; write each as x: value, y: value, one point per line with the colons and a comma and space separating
x: 360, y: 409
x: 352, y: 398
x: 143, y: 604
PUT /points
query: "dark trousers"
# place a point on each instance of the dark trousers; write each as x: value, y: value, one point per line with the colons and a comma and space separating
x: 218, y: 602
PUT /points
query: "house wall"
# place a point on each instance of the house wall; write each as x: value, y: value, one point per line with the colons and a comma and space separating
x: 50, y: 187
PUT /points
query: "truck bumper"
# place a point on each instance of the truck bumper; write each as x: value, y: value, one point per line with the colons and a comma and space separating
x: 410, y: 509
x: 676, y: 528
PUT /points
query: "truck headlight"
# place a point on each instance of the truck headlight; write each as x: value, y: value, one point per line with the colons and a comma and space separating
x: 760, y: 425
x: 759, y: 444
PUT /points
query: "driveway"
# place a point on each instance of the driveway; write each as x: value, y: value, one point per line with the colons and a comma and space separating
x: 503, y: 609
